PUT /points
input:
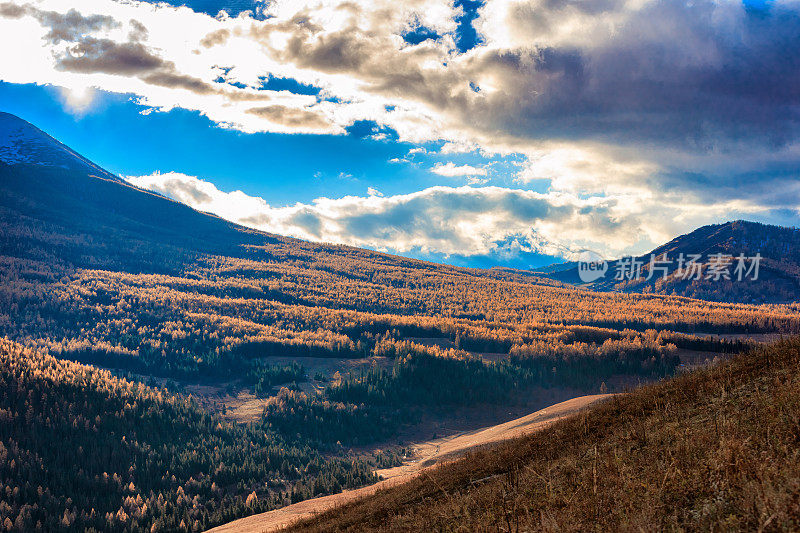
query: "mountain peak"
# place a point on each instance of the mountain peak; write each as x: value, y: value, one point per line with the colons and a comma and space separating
x: 22, y: 143
x: 779, y: 264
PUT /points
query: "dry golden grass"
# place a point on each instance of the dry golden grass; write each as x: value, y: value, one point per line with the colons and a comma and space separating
x: 714, y: 450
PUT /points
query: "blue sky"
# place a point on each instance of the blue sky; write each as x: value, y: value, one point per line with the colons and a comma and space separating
x: 281, y: 168
x: 505, y: 132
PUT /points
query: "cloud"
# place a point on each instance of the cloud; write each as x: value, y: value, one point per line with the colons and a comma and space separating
x: 90, y: 55
x: 463, y: 221
x: 201, y: 195
x: 662, y: 104
x: 450, y: 170
x: 67, y: 26
x: 215, y: 38
x: 299, y: 120
x: 696, y: 76
x: 699, y: 77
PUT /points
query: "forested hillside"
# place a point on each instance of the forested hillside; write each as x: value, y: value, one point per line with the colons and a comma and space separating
x: 97, y: 271
x: 81, y: 449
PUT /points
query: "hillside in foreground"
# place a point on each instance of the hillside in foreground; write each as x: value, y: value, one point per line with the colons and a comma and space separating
x: 715, y: 449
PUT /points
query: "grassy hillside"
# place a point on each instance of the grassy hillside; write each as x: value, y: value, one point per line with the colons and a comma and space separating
x: 713, y: 450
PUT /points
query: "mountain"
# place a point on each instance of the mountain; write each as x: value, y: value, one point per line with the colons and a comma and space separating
x: 131, y: 229
x: 778, y: 279
x: 22, y: 143
x: 100, y: 271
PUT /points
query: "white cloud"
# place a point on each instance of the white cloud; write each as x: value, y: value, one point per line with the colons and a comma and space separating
x: 451, y: 170
x: 660, y: 105
x: 453, y: 220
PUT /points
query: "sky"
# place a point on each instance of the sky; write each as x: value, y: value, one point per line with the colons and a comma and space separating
x: 479, y: 133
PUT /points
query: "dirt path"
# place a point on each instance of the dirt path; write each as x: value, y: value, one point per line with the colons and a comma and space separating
x: 427, y: 454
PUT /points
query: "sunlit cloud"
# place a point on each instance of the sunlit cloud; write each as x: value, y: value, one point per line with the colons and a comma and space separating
x: 662, y: 104
x: 451, y: 170
x: 453, y: 220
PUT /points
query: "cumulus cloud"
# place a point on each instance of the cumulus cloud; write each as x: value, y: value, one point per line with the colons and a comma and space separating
x: 451, y: 170
x: 449, y: 220
x: 662, y: 104
x: 698, y: 77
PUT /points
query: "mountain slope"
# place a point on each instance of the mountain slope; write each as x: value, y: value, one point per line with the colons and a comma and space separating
x: 51, y: 185
x: 97, y: 270
x: 716, y: 448
x: 22, y: 143
x: 779, y: 271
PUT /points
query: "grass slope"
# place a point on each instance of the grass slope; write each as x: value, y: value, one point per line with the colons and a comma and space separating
x: 713, y: 450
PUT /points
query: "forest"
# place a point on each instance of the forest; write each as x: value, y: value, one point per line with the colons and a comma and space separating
x: 714, y: 449
x: 83, y: 450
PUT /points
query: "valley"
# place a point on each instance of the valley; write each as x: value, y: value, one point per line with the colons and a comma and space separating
x: 711, y: 446
x: 424, y: 456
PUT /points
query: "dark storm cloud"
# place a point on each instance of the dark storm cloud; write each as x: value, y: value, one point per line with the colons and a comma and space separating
x: 697, y: 76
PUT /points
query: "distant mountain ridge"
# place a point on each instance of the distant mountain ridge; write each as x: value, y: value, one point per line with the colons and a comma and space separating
x: 779, y: 270
x: 44, y: 183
